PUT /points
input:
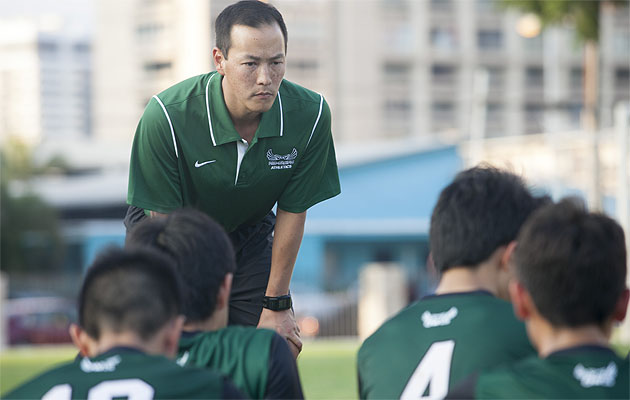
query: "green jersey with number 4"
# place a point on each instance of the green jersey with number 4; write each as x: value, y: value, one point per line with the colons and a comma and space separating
x: 431, y: 345
x: 587, y: 372
x: 122, y: 373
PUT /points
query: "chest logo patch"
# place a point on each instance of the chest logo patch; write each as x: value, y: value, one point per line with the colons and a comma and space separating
x: 280, y: 161
x: 430, y: 320
x: 589, y: 377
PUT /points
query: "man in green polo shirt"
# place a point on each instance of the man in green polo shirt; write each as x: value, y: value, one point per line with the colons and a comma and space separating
x: 570, y: 289
x: 233, y: 143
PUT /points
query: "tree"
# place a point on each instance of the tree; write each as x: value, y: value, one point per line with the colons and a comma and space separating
x: 29, y: 228
x: 584, y: 16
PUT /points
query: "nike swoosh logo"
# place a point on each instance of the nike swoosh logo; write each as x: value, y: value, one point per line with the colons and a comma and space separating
x: 198, y: 164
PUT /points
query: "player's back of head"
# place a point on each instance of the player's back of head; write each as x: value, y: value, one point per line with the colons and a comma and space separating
x: 481, y: 210
x: 133, y: 290
x: 201, y: 249
x: 252, y: 13
x: 573, y: 264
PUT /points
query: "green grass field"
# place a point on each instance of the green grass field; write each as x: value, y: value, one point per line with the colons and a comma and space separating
x: 327, y: 367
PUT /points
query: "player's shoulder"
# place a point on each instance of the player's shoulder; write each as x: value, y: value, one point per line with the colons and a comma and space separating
x: 393, y: 329
x: 191, y: 88
x: 294, y: 96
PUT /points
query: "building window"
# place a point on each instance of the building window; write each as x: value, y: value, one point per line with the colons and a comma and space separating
x: 534, y: 77
x: 443, y: 112
x: 534, y: 114
x: 397, y: 107
x: 157, y: 66
x: 49, y: 47
x: 441, y: 5
x: 443, y: 74
x: 576, y: 78
x: 397, y: 73
x: 443, y: 39
x: 496, y: 77
x: 303, y: 65
x: 489, y: 39
x: 622, y: 79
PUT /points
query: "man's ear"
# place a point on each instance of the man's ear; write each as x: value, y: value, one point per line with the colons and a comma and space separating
x: 521, y: 300
x: 622, y: 306
x: 218, y: 58
x: 80, y: 339
x: 223, y: 296
x: 172, y: 335
x: 507, y: 255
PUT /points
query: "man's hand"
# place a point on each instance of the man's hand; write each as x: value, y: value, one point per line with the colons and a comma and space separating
x: 284, y: 323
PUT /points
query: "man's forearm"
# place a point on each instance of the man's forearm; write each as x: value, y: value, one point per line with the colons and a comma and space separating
x: 286, y: 243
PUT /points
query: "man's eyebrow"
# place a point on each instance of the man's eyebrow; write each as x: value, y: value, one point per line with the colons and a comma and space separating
x: 277, y: 56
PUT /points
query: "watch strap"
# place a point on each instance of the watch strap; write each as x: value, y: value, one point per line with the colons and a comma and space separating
x: 277, y: 303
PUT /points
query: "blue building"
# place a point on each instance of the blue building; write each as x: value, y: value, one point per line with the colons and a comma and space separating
x: 382, y: 214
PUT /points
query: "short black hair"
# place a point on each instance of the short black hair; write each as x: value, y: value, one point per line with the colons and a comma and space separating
x: 573, y: 263
x: 132, y: 290
x: 252, y: 13
x: 481, y: 210
x: 202, y: 251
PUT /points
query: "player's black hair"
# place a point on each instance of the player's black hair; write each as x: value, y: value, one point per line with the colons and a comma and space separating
x: 481, y: 210
x: 132, y: 290
x: 252, y: 13
x: 202, y: 250
x: 573, y: 263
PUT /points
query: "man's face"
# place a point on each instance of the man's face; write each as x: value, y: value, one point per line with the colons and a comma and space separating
x: 253, y: 69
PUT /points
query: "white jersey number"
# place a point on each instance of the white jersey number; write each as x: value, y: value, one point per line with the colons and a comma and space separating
x: 132, y: 389
x: 434, y: 369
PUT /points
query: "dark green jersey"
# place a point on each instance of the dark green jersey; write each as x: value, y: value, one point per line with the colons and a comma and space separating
x: 431, y: 345
x: 258, y: 361
x: 587, y: 372
x: 186, y: 152
x: 124, y: 373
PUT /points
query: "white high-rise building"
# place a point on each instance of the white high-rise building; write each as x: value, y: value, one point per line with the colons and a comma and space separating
x: 45, y: 81
x: 388, y: 68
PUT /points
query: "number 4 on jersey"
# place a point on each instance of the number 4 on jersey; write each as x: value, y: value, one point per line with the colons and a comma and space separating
x: 434, y: 369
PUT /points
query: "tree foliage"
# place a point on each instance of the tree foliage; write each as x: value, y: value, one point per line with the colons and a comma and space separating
x: 582, y: 14
x: 29, y: 228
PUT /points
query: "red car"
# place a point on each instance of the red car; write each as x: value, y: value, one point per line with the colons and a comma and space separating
x: 39, y: 320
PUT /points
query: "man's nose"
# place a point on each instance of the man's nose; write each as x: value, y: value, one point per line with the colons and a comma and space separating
x: 264, y: 75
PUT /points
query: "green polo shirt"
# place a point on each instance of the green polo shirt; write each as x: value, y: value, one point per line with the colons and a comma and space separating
x: 186, y: 152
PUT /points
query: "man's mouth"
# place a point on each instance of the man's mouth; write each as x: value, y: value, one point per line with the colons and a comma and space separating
x: 263, y: 95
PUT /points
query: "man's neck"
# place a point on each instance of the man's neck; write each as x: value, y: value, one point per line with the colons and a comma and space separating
x: 549, y: 339
x: 466, y: 279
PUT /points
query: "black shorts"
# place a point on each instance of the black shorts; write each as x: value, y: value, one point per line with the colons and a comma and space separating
x: 252, y: 244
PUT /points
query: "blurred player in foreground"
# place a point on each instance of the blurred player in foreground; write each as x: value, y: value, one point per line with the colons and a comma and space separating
x: 570, y: 289
x: 257, y: 360
x: 128, y: 320
x: 466, y: 325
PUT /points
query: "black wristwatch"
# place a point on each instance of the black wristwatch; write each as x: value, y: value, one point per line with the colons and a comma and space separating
x: 277, y: 303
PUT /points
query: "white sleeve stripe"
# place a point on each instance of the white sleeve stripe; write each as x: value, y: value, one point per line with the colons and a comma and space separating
x: 169, y: 124
x: 321, y: 104
x: 208, y: 111
x: 281, y: 117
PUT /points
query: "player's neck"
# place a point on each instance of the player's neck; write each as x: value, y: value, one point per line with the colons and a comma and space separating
x: 549, y: 339
x: 109, y: 340
x: 466, y: 279
x: 214, y: 323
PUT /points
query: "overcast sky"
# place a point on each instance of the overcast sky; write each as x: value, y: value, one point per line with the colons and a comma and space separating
x: 77, y: 14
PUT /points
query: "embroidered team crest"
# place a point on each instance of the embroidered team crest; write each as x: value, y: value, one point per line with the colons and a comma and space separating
x: 280, y: 161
